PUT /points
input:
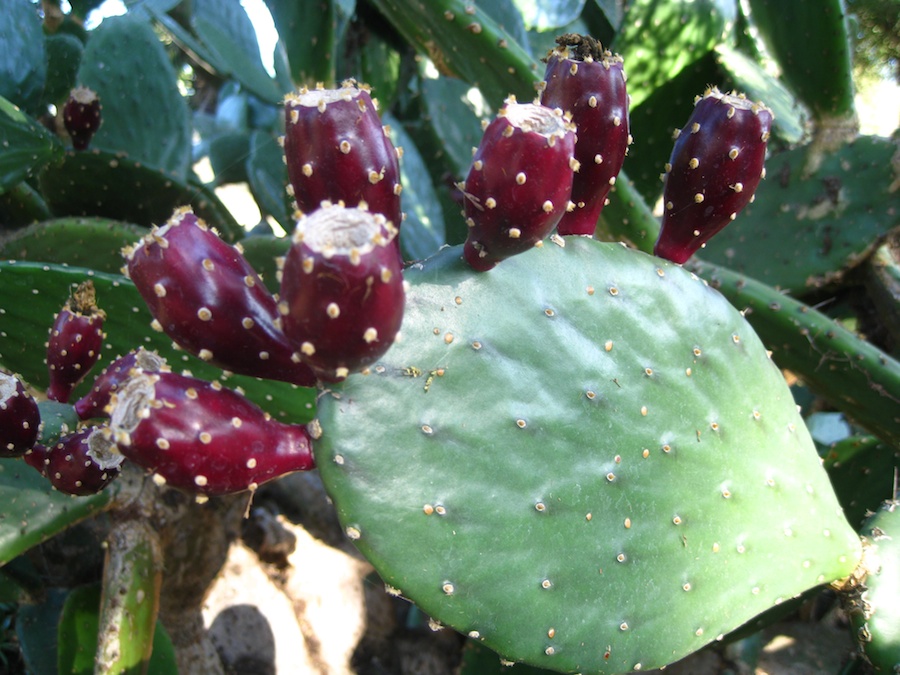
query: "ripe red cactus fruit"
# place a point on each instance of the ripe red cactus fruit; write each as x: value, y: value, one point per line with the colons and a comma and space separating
x: 95, y: 403
x: 520, y: 182
x: 342, y: 293
x: 80, y: 463
x: 82, y: 116
x: 76, y: 339
x: 337, y: 150
x: 588, y: 84
x: 204, y: 295
x: 715, y: 167
x: 20, y: 419
x: 203, y: 438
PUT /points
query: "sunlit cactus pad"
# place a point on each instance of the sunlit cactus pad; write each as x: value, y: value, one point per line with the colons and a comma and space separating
x: 583, y: 457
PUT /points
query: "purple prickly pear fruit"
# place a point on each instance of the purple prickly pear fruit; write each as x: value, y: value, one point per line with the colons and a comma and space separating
x: 80, y: 463
x: 201, y: 437
x: 588, y: 84
x: 95, y: 402
x: 20, y: 419
x: 75, y: 342
x: 520, y: 182
x: 337, y: 150
x: 342, y: 292
x: 205, y: 296
x: 81, y: 116
x: 715, y: 167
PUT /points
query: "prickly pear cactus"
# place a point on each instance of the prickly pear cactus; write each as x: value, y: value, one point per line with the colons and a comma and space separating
x: 583, y: 458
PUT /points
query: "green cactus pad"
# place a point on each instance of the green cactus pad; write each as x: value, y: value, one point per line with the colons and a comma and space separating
x: 875, y: 613
x: 33, y: 511
x: 144, y: 114
x: 94, y: 242
x: 95, y: 183
x: 802, y: 232
x: 583, y: 457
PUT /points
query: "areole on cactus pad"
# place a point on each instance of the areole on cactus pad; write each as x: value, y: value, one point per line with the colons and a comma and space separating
x: 604, y: 479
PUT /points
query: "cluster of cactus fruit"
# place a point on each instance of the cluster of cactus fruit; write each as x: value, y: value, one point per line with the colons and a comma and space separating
x: 710, y: 473
x: 342, y: 293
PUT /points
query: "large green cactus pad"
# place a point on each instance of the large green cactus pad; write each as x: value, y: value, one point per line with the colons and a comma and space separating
x: 584, y: 458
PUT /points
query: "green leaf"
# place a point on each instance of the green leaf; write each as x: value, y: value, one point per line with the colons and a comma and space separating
x: 27, y: 146
x: 33, y: 511
x: 549, y: 14
x: 422, y: 233
x: 36, y: 628
x: 464, y: 41
x: 802, y: 230
x: 79, y: 624
x: 228, y: 155
x: 22, y: 63
x: 225, y: 29
x: 63, y: 59
x: 310, y: 32
x: 267, y: 176
x: 660, y: 38
x: 57, y: 419
x: 563, y: 435
x: 30, y: 294
x: 144, y: 114
x: 94, y: 242
x: 95, y: 183
x: 21, y: 205
x: 810, y: 41
x: 129, y: 605
x: 750, y: 78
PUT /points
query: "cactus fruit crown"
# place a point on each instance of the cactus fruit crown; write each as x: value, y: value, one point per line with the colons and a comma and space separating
x: 531, y: 117
x: 581, y: 48
x: 321, y: 97
x: 351, y: 232
x: 84, y: 301
x: 84, y: 95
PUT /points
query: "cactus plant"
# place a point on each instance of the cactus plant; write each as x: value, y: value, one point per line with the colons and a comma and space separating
x: 80, y: 463
x: 337, y: 150
x: 20, y: 418
x: 713, y: 171
x: 76, y: 338
x: 506, y: 212
x: 588, y: 82
x: 81, y: 116
x: 342, y: 290
x: 202, y: 437
x: 208, y: 299
x: 578, y: 396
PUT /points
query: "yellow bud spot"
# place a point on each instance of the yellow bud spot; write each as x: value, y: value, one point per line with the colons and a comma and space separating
x: 333, y: 310
x: 205, y: 437
x: 370, y: 335
x: 694, y: 163
x: 448, y: 588
x: 608, y: 345
x: 515, y: 233
x: 733, y: 153
x: 307, y: 170
x: 200, y: 481
x: 345, y: 147
x: 308, y: 348
x: 598, y: 159
x: 738, y: 187
x: 643, y: 411
x: 669, y: 206
x: 490, y: 203
x: 698, y: 198
x: 695, y: 127
x: 448, y: 338
x: 521, y: 423
x: 628, y: 523
x: 159, y: 290
x: 162, y: 444
x: 546, y: 583
x: 617, y: 121
x: 547, y: 206
x: 520, y: 178
x: 205, y: 355
x: 204, y: 314
x: 573, y: 69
